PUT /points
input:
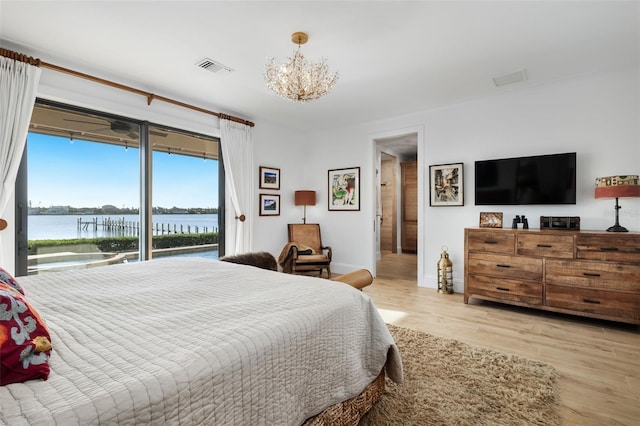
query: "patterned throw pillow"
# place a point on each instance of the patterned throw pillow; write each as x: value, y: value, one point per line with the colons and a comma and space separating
x: 6, y: 278
x: 25, y: 343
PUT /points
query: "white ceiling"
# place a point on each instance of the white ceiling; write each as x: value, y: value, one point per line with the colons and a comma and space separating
x: 393, y: 57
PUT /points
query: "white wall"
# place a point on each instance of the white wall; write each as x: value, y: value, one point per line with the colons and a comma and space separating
x: 596, y: 116
x: 285, y: 150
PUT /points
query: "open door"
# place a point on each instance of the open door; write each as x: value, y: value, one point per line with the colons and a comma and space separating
x: 391, y: 152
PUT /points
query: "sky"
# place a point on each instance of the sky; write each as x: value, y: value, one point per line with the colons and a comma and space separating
x: 89, y: 174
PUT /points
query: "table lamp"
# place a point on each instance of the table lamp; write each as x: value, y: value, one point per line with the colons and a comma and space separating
x: 305, y: 198
x: 618, y: 187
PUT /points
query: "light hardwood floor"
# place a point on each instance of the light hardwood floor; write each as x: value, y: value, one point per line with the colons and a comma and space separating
x: 598, y: 361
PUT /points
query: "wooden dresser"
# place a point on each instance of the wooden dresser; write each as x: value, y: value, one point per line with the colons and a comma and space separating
x: 588, y: 273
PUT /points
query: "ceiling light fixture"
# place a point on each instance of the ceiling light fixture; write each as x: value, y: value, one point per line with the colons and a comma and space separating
x: 298, y: 79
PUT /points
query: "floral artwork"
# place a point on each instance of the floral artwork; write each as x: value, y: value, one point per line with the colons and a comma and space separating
x: 344, y: 189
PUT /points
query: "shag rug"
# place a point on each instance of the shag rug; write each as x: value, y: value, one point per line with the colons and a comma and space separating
x: 447, y: 382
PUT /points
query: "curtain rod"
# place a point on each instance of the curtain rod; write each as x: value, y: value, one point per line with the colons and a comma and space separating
x: 150, y: 96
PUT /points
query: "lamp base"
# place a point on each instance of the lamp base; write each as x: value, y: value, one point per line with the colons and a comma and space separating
x: 617, y: 228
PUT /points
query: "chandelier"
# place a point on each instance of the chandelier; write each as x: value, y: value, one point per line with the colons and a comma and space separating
x: 298, y: 79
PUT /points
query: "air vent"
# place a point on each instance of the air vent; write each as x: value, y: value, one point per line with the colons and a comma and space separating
x: 514, y: 77
x: 213, y: 66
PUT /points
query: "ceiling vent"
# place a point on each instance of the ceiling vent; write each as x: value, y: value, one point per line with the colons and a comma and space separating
x: 514, y: 77
x: 213, y: 66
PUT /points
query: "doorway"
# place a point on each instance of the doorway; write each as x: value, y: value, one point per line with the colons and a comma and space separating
x: 397, y: 206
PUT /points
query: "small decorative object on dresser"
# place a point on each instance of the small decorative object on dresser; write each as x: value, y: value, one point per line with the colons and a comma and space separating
x: 588, y: 273
x: 520, y: 219
x: 560, y: 222
x: 618, y: 187
x: 491, y: 220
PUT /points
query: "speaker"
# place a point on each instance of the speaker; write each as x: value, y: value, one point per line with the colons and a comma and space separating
x: 560, y: 222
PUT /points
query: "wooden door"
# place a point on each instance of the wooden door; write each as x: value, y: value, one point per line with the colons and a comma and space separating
x: 409, y: 239
x: 388, y: 226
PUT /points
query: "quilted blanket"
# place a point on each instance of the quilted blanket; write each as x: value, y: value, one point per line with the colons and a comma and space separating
x: 196, y: 341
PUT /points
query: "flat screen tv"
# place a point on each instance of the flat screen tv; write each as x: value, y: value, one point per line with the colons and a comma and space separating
x: 541, y: 179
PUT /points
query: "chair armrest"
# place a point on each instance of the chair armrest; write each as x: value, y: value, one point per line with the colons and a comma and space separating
x: 329, y: 252
x: 358, y: 279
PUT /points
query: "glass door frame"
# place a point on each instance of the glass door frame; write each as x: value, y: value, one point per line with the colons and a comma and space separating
x: 145, y: 207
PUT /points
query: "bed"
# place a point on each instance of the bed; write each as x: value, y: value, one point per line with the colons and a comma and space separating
x: 198, y: 341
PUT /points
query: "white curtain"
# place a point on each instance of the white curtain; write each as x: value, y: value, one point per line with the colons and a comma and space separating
x: 18, y: 88
x: 237, y: 153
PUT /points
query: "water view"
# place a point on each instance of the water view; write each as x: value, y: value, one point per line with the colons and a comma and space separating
x: 57, y: 227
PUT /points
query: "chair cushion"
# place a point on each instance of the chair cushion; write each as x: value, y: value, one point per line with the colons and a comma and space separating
x: 313, y: 258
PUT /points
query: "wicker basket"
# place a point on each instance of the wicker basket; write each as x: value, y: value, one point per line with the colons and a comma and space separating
x: 350, y: 412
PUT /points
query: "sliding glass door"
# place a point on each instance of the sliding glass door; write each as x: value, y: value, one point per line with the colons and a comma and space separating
x: 185, y: 193
x: 79, y: 198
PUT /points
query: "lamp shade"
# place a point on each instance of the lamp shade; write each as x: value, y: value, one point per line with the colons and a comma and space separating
x: 305, y: 198
x: 618, y: 186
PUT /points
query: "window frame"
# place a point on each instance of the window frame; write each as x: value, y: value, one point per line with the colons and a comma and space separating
x: 145, y: 170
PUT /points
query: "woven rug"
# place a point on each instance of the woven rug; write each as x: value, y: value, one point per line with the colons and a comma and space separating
x: 447, y: 382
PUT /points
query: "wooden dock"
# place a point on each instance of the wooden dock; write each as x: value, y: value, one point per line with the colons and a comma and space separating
x: 121, y: 226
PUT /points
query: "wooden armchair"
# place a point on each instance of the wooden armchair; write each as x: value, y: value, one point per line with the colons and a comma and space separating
x: 306, y: 249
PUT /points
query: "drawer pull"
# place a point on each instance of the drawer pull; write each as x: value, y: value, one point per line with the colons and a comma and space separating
x: 503, y: 289
x: 590, y: 274
x: 545, y: 245
x: 608, y: 248
x: 595, y: 302
x: 490, y: 242
x: 499, y: 265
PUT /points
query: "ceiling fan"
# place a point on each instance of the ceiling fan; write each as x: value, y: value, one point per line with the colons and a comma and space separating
x: 116, y: 126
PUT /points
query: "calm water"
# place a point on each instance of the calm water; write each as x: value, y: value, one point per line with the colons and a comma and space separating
x: 53, y: 227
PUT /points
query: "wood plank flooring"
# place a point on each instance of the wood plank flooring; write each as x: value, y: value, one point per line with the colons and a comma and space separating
x: 598, y: 361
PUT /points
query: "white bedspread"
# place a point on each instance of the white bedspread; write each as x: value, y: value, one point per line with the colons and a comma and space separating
x: 200, y: 342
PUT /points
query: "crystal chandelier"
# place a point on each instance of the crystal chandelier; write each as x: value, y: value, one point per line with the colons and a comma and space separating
x: 298, y: 79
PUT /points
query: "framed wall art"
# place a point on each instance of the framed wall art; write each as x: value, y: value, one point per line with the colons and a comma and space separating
x: 269, y: 178
x: 344, y: 189
x: 491, y: 220
x: 269, y: 205
x: 446, y: 185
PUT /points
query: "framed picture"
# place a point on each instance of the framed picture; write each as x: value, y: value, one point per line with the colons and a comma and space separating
x: 446, y: 185
x: 344, y: 189
x: 269, y: 178
x: 269, y: 205
x: 491, y: 220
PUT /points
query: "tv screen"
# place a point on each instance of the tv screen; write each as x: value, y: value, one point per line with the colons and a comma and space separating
x: 542, y: 179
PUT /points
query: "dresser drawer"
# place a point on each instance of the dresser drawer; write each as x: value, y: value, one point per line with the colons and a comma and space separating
x: 491, y: 241
x: 529, y: 292
x: 618, y: 248
x: 547, y: 245
x: 608, y: 276
x: 592, y: 301
x: 504, y: 266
